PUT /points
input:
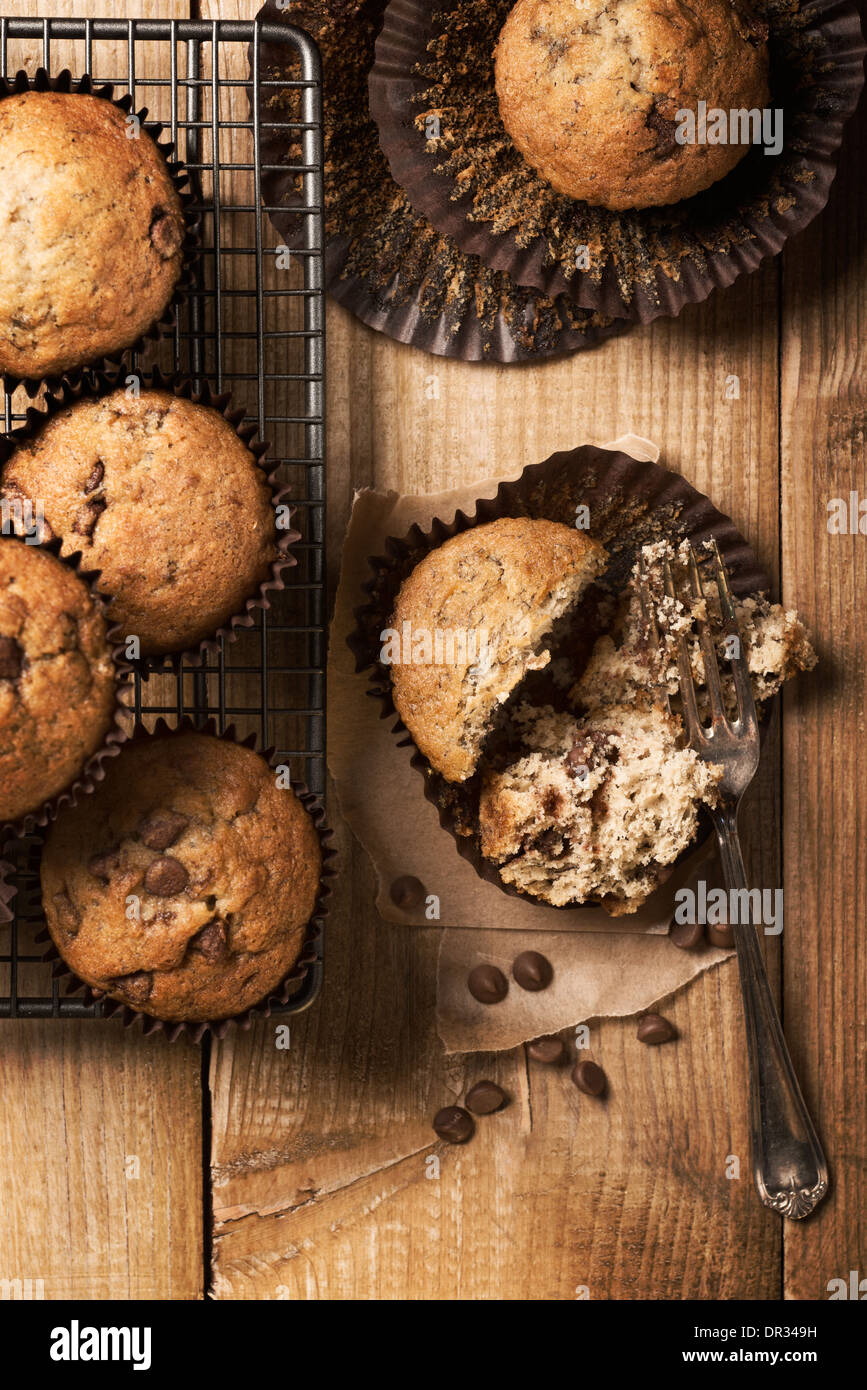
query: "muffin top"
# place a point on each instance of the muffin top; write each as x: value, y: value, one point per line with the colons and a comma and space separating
x: 91, y: 227
x: 471, y: 621
x: 590, y: 95
x: 57, y: 678
x: 162, y: 497
x: 183, y: 885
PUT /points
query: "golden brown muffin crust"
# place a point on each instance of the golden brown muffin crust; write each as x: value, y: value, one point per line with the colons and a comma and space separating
x: 589, y: 92
x: 92, y: 230
x: 163, y: 498
x: 221, y: 864
x: 57, y: 678
x: 509, y: 580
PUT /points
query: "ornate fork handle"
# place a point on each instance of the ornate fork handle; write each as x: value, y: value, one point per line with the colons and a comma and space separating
x: 789, y: 1167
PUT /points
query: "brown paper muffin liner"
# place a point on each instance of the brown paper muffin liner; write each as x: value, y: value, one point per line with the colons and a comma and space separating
x: 312, y: 946
x: 474, y: 186
x: 97, y: 385
x: 7, y: 888
x: 84, y: 86
x: 118, y: 732
x: 630, y: 504
x: 384, y: 262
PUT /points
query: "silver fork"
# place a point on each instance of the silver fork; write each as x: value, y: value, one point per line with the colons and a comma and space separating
x: 789, y: 1167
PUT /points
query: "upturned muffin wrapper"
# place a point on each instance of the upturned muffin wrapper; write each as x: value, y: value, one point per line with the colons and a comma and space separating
x: 630, y: 503
x: 645, y: 262
x: 383, y: 262
x: 93, y: 770
x: 84, y: 86
x: 313, y: 939
x: 98, y: 385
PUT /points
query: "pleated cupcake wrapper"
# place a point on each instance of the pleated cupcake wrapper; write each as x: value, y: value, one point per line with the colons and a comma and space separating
x: 93, y: 770
x: 311, y: 948
x: 631, y: 503
x: 84, y: 86
x: 98, y: 385
x: 383, y: 262
x: 7, y: 887
x: 646, y: 262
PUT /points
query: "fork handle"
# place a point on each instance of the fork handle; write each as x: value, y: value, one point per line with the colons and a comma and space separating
x: 789, y: 1167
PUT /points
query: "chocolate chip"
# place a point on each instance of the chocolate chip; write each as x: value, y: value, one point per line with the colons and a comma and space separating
x: 653, y: 1029
x: 407, y: 892
x: 721, y: 934
x: 211, y: 941
x: 136, y: 987
x: 549, y: 1050
x: 87, y: 516
x: 454, y: 1125
x: 486, y: 1097
x: 162, y: 829
x: 165, y: 234
x: 166, y: 877
x: 487, y: 984
x: 687, y: 935
x: 664, y: 130
x: 68, y: 915
x: 102, y: 864
x: 589, y: 1078
x: 96, y: 477
x: 532, y: 971
x: 11, y: 659
x: 577, y: 756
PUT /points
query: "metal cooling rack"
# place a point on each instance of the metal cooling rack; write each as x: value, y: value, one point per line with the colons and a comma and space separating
x: 251, y: 326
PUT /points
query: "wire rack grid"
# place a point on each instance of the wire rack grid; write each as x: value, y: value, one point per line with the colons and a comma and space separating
x: 252, y: 324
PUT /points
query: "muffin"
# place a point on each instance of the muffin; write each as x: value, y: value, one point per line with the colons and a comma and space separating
x: 92, y: 230
x: 57, y: 678
x: 590, y: 95
x: 596, y: 809
x: 183, y: 886
x: 162, y: 497
x: 469, y: 623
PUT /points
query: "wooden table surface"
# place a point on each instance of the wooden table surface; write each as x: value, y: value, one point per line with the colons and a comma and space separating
x: 131, y: 1168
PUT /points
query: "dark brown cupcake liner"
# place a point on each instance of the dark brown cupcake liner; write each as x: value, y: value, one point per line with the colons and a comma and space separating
x: 94, y: 385
x: 631, y: 503
x: 7, y: 888
x: 644, y: 262
x: 311, y: 949
x: 383, y: 262
x: 93, y: 770
x: 84, y: 86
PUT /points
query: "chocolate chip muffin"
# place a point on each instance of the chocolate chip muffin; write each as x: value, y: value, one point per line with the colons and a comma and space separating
x: 57, y: 678
x: 183, y: 885
x: 471, y: 621
x: 92, y: 230
x: 161, y: 496
x: 590, y: 92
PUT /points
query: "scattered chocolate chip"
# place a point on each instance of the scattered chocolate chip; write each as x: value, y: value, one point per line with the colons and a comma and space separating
x: 68, y: 915
x: 576, y: 758
x: 721, y: 934
x: 549, y: 1050
x: 102, y: 864
x: 454, y: 1125
x: 532, y: 971
x: 487, y: 984
x: 166, y: 877
x: 664, y: 130
x: 687, y: 935
x: 589, y: 1078
x: 96, y: 477
x: 407, y: 892
x: 211, y: 941
x: 486, y: 1097
x: 165, y: 234
x: 87, y: 516
x: 11, y: 659
x: 162, y: 829
x: 136, y: 987
x: 654, y: 1029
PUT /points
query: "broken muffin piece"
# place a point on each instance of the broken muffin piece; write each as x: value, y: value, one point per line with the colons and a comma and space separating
x: 471, y: 620
x: 597, y: 808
